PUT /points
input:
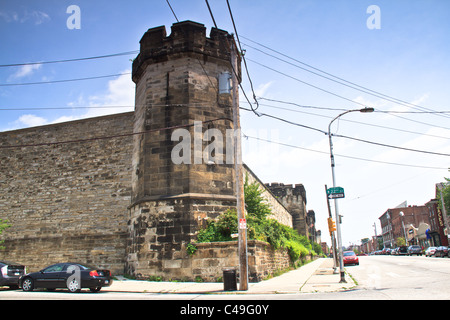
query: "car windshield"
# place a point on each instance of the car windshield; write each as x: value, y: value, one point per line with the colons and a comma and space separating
x: 349, y: 253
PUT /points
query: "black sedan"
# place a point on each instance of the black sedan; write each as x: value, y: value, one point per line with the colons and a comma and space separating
x: 441, y: 251
x: 10, y: 273
x: 72, y: 276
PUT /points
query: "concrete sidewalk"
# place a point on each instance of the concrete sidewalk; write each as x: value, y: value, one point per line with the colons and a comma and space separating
x: 316, y: 276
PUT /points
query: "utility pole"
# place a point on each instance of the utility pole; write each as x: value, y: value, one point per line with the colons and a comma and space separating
x: 239, y: 183
x: 336, y: 209
x: 332, y: 234
x: 376, y: 236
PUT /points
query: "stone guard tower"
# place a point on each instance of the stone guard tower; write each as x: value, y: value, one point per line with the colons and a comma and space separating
x: 176, y: 80
x: 293, y: 199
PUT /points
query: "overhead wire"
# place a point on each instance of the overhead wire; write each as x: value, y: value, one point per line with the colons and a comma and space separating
x: 173, y: 12
x: 108, y: 137
x: 243, y: 57
x: 338, y: 95
x: 70, y: 60
x: 343, y: 156
x: 63, y: 81
x: 352, y: 138
x: 348, y: 120
x: 339, y: 79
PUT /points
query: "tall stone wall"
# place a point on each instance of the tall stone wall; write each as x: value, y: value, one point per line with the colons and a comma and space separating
x: 67, y: 201
x: 279, y: 212
x: 211, y: 258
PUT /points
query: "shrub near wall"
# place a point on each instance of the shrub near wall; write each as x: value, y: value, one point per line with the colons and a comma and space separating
x: 272, y: 246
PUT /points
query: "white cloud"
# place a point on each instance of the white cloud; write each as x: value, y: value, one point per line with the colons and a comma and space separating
x: 35, y: 16
x: 9, y: 16
x: 24, y: 71
x: 30, y: 120
x: 118, y: 98
x: 262, y: 89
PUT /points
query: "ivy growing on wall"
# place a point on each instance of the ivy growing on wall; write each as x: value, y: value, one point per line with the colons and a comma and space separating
x: 259, y: 226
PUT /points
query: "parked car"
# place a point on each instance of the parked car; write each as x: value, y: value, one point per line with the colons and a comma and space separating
x: 402, y: 250
x: 350, y: 258
x: 415, y: 249
x: 72, y: 276
x: 10, y: 273
x: 430, y: 251
x: 441, y: 251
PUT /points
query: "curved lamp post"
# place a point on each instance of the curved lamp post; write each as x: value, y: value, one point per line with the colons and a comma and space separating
x: 338, y: 225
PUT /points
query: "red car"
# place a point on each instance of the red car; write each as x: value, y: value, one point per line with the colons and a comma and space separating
x: 350, y: 258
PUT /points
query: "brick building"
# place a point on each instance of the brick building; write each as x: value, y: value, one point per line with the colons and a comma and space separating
x: 410, y: 222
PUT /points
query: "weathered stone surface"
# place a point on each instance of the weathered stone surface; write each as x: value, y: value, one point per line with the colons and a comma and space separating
x: 67, y: 200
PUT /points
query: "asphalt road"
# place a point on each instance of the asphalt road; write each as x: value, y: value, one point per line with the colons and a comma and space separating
x: 378, y: 277
x: 400, y: 277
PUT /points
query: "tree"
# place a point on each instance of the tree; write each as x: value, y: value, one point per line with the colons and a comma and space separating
x: 259, y: 227
x: 445, y: 196
x: 400, y: 242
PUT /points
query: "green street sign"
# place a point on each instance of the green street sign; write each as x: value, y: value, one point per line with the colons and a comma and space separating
x: 335, y: 190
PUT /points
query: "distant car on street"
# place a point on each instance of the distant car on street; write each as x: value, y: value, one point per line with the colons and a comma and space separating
x: 72, y: 276
x: 415, y: 249
x: 350, y: 258
x: 441, y: 251
x: 430, y: 251
x: 10, y: 272
x: 402, y: 250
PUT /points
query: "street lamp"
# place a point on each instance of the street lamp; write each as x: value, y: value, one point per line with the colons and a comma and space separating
x: 338, y: 225
x: 403, y: 225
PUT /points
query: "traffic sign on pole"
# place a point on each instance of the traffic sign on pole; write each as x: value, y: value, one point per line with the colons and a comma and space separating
x: 335, y: 193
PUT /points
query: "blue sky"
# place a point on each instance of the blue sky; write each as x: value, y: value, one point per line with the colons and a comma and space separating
x: 407, y: 58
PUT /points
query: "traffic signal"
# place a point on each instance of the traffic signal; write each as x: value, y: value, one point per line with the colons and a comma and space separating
x: 331, y: 225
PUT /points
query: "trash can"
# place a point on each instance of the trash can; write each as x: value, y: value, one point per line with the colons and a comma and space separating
x: 229, y: 279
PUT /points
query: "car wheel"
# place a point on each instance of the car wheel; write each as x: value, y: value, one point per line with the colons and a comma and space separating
x: 27, y: 284
x: 95, y: 289
x: 74, y: 286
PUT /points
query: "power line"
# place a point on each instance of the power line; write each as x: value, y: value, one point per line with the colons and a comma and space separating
x: 352, y: 138
x: 243, y: 57
x: 340, y: 109
x: 344, y: 156
x: 70, y: 60
x: 337, y: 95
x: 341, y: 80
x: 351, y: 121
x: 391, y: 146
x: 106, y: 137
x: 62, y: 81
x: 211, y: 14
x: 173, y: 12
